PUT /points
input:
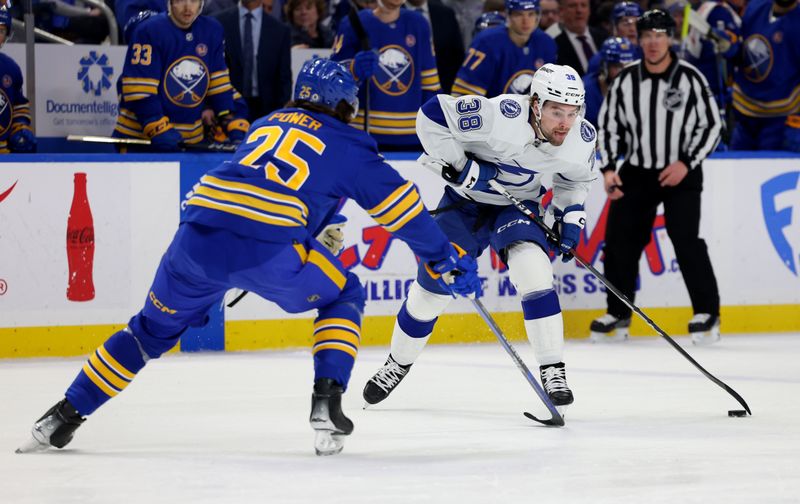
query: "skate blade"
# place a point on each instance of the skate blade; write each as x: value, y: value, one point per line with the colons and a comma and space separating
x: 562, y: 410
x: 616, y: 336
x: 328, y: 443
x: 33, y: 445
x: 705, y: 338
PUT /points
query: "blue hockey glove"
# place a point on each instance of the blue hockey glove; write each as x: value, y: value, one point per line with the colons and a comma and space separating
x: 457, y: 273
x: 237, y: 130
x: 791, y: 134
x: 163, y: 137
x: 332, y: 235
x: 365, y: 64
x: 475, y: 175
x: 22, y: 140
x: 568, y: 226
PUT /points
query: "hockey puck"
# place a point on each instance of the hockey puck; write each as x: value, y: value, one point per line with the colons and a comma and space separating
x: 737, y: 413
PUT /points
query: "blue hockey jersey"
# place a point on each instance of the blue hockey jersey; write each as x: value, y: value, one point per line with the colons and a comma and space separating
x: 495, y: 65
x: 285, y: 181
x: 406, y: 78
x: 170, y: 72
x: 593, y: 99
x: 15, y: 110
x: 768, y: 84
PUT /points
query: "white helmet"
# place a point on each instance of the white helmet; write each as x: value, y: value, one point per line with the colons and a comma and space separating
x: 558, y: 83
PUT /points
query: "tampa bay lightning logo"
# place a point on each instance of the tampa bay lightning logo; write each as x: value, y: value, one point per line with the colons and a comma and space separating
x: 6, y: 111
x: 95, y: 73
x: 778, y: 220
x: 510, y: 108
x: 186, y: 82
x: 587, y: 132
x: 395, y: 70
x: 519, y: 83
x: 758, y: 58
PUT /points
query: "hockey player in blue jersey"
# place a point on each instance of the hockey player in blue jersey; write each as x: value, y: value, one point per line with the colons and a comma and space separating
x: 174, y: 65
x: 623, y: 24
x: 614, y: 54
x: 766, y: 91
x: 15, y: 111
x: 503, y: 59
x: 489, y: 20
x: 403, y: 77
x: 251, y: 223
x: 516, y: 140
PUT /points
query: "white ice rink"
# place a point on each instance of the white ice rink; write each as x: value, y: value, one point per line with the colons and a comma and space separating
x: 646, y: 427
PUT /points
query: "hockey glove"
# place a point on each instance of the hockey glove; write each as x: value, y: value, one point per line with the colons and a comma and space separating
x: 163, y: 137
x: 365, y: 64
x: 237, y: 130
x: 332, y: 235
x: 475, y: 175
x: 457, y: 273
x: 568, y: 226
x: 22, y: 139
x: 791, y: 134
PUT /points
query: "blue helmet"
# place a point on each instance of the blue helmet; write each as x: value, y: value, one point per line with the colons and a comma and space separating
x: 489, y: 19
x: 617, y: 50
x: 625, y: 9
x: 326, y: 82
x: 517, y: 5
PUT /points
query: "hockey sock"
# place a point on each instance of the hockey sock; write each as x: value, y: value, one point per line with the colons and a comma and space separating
x: 415, y: 323
x: 337, y: 336
x: 544, y: 325
x: 107, y: 372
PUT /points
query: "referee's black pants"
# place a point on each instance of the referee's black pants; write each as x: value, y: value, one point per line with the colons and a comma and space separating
x: 629, y: 228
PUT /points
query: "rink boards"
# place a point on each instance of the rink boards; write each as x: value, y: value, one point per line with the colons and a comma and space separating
x: 750, y: 222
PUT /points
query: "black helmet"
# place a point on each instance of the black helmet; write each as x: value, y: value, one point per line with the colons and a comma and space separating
x: 656, y: 20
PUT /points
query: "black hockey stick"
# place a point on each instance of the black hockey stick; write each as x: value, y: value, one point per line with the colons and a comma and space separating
x: 556, y: 419
x: 552, y: 235
x: 238, y: 298
x: 363, y: 39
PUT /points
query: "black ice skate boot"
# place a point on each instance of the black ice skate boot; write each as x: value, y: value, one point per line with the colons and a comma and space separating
x: 609, y: 329
x: 327, y: 417
x: 554, y: 381
x: 55, y: 428
x: 704, y: 329
x: 385, y: 380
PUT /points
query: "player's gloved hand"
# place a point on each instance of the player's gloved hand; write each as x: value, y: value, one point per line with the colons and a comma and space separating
x: 724, y: 40
x: 475, y: 175
x: 791, y: 133
x: 163, y: 137
x: 457, y: 273
x: 365, y: 64
x: 568, y: 226
x: 22, y: 140
x: 332, y: 235
x: 237, y: 130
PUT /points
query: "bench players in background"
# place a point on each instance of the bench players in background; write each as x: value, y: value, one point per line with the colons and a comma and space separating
x: 174, y: 65
x: 515, y: 139
x: 614, y: 54
x: 503, y: 59
x: 400, y: 70
x: 15, y: 111
x: 250, y: 223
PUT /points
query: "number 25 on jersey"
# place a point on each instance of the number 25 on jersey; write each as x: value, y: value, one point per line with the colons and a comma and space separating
x: 273, y: 142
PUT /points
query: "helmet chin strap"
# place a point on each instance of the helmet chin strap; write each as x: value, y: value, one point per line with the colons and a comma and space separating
x: 537, y: 123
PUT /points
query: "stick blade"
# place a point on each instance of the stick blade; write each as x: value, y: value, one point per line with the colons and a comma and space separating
x: 555, y: 421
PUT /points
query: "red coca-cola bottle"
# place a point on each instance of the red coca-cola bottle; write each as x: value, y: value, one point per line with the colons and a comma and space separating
x: 80, y: 244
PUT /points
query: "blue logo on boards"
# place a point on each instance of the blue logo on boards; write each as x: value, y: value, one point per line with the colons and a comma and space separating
x: 777, y: 220
x: 95, y: 73
x: 510, y: 108
x: 587, y: 132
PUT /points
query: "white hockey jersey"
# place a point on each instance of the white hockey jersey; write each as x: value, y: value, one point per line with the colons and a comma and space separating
x: 498, y: 130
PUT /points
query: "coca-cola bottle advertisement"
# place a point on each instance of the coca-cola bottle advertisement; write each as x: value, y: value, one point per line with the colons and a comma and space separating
x: 80, y: 244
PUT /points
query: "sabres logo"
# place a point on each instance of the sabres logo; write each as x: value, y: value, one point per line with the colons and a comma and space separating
x: 5, y: 112
x: 186, y: 82
x: 757, y: 58
x: 519, y: 83
x: 395, y: 71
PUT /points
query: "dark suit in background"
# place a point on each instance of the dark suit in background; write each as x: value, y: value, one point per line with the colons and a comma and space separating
x: 273, y: 69
x: 447, y: 43
x: 566, y: 51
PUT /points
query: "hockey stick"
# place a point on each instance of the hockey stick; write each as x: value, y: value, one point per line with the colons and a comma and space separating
x: 556, y: 419
x: 552, y: 235
x: 363, y: 39
x: 202, y: 146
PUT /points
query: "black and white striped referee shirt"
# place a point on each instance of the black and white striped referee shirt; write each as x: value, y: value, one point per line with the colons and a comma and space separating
x: 652, y: 120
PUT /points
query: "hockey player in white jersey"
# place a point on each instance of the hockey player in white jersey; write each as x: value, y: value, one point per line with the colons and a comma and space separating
x: 515, y: 140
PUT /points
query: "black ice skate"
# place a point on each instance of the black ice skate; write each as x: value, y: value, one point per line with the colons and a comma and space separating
x: 327, y: 417
x: 554, y: 381
x: 609, y: 329
x: 704, y: 329
x: 55, y: 428
x: 385, y: 380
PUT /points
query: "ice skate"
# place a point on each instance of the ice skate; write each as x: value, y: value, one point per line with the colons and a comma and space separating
x: 385, y: 380
x: 704, y: 329
x: 609, y: 329
x: 327, y: 418
x: 55, y: 428
x: 554, y: 381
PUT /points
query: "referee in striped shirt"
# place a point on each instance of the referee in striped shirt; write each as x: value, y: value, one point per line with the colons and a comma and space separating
x: 661, y: 119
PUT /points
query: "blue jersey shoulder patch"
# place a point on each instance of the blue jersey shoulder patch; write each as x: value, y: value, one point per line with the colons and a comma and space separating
x: 587, y: 132
x: 510, y: 108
